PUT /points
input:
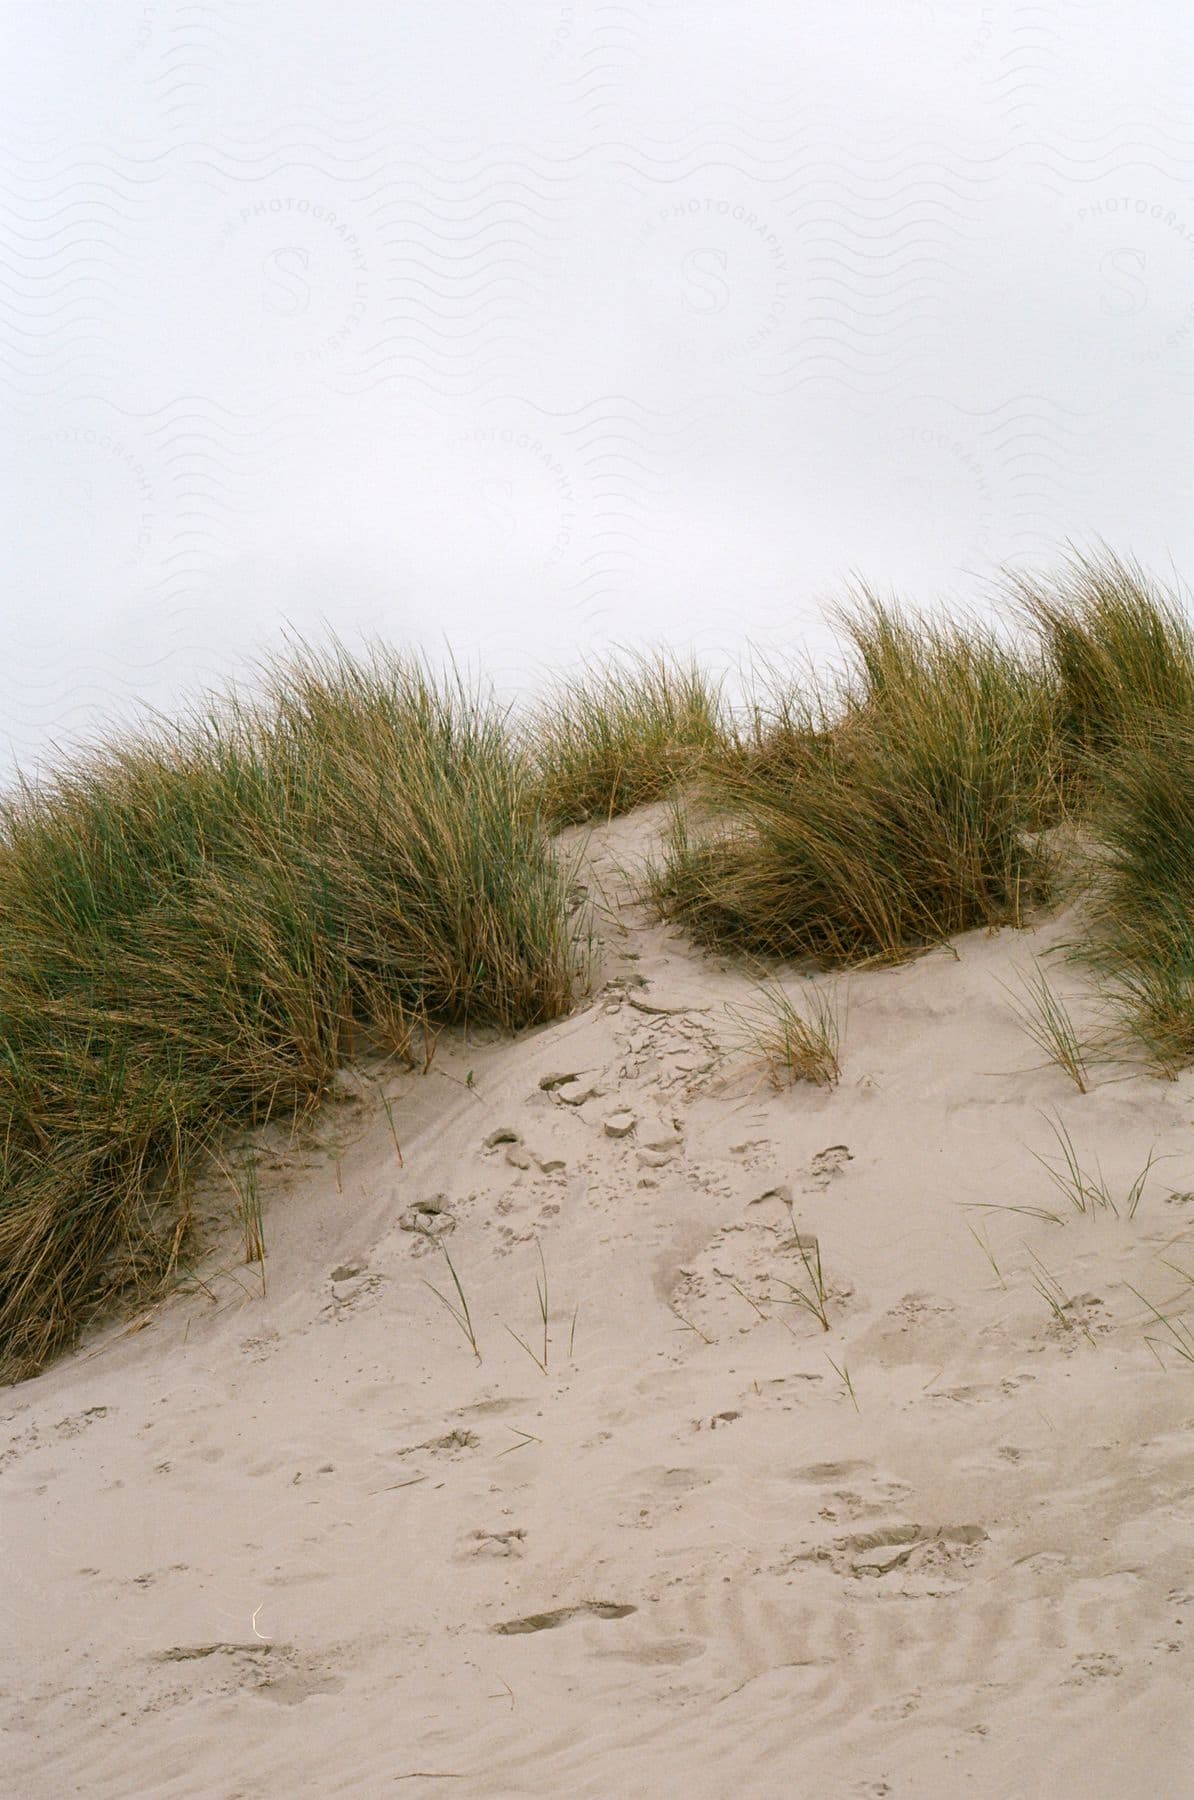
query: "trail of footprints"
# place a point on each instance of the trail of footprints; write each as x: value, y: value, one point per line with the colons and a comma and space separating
x: 844, y: 1521
x: 528, y: 1167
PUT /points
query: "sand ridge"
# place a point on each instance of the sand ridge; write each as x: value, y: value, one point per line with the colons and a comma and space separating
x: 306, y: 1543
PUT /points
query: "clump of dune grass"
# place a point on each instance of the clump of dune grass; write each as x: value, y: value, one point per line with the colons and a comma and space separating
x: 198, y: 925
x: 621, y: 734
x: 1121, y: 646
x: 797, y: 1043
x: 899, y: 808
x: 1141, y: 911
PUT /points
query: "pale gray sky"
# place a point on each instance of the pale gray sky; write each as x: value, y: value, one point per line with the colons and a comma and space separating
x: 528, y: 328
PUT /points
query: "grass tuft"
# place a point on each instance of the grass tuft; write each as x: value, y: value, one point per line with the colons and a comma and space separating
x: 248, y: 1212
x: 843, y: 1375
x: 540, y: 1359
x: 1057, y: 1300
x: 1121, y: 647
x: 621, y: 734
x: 1046, y: 1020
x: 460, y: 1313
x: 1179, y: 1338
x: 985, y: 1246
x: 199, y: 925
x: 797, y: 1043
x: 813, y: 1295
x: 898, y: 808
x: 1122, y: 650
x: 1142, y: 907
x: 1086, y: 1193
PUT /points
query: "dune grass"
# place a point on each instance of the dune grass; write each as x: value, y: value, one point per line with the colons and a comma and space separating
x: 797, y: 1042
x: 1089, y: 1193
x: 197, y: 926
x: 1045, y: 1017
x: 892, y: 811
x: 461, y: 1313
x: 1141, y: 943
x: 1122, y: 649
x: 621, y: 734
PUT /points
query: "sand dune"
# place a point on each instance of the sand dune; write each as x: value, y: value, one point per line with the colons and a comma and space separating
x: 305, y: 1543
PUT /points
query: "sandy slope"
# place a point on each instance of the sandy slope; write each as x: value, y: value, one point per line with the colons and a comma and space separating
x: 306, y: 1544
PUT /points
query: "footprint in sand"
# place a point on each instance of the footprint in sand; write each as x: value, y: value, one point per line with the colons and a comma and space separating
x: 978, y: 1393
x: 1077, y: 1322
x: 77, y: 1422
x: 352, y: 1287
x: 274, y: 1671
x: 451, y: 1444
x: 872, y: 1493
x: 752, y: 1273
x: 19, y: 1445
x: 517, y: 1154
x: 830, y: 1471
x: 430, y: 1217
x: 826, y: 1164
x: 676, y: 1054
x: 152, y: 1576
x: 562, y: 1615
x: 908, y: 1559
x: 921, y: 1327
x: 1096, y: 1665
x: 493, y: 1544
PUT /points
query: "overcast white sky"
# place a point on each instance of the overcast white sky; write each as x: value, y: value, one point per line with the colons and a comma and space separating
x: 528, y: 328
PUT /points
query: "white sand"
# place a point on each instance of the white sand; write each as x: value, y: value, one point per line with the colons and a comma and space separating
x: 307, y: 1545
